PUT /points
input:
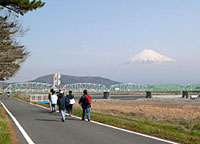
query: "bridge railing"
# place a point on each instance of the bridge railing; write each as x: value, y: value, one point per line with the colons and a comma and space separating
x: 34, y: 87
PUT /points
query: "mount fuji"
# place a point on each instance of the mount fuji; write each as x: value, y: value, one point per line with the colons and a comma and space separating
x: 149, y: 56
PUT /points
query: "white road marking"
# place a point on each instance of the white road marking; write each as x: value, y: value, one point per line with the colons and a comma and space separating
x: 140, y: 134
x: 28, y: 139
x: 128, y: 131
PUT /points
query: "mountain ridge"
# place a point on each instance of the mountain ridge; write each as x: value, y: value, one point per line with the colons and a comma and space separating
x: 69, y: 79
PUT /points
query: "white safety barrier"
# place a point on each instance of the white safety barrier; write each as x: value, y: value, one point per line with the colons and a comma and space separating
x: 38, y: 97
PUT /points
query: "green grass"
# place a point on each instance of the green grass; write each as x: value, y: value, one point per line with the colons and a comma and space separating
x: 4, y: 130
x: 197, y: 126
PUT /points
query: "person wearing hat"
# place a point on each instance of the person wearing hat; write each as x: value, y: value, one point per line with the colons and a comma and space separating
x: 59, y: 94
x: 61, y: 101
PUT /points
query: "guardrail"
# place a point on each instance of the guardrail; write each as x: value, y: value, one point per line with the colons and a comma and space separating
x: 38, y: 97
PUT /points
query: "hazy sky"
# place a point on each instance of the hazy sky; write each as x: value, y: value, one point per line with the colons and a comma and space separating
x: 95, y: 38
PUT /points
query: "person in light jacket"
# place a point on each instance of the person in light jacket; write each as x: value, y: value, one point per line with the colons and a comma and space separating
x: 54, y: 99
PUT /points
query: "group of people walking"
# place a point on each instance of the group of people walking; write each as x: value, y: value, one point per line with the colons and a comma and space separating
x: 65, y: 103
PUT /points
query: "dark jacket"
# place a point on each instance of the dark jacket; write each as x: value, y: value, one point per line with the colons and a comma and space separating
x: 68, y: 97
x: 49, y: 96
x: 59, y: 96
x: 82, y: 102
x: 71, y: 96
x: 61, y: 102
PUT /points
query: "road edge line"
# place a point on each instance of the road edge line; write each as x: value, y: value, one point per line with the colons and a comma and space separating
x: 128, y: 131
x: 136, y: 133
x: 26, y: 136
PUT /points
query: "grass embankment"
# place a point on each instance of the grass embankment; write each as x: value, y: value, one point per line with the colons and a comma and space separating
x: 7, y: 133
x: 172, y: 130
x: 177, y: 122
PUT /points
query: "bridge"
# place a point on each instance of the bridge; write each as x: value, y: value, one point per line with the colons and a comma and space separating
x: 91, y: 87
x: 36, y: 87
x: 29, y: 87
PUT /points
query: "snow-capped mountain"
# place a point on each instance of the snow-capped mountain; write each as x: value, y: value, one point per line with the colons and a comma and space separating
x: 149, y: 56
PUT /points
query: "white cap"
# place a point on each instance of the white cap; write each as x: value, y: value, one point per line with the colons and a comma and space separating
x: 61, y: 92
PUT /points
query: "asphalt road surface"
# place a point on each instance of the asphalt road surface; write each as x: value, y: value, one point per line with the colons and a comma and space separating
x: 44, y: 127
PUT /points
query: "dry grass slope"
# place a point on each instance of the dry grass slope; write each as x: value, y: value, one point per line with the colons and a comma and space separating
x: 176, y: 120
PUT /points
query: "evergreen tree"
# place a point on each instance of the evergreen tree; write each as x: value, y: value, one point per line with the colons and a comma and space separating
x: 21, y: 6
x: 11, y: 53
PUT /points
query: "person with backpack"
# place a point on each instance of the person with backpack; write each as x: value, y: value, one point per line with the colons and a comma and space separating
x: 85, y: 102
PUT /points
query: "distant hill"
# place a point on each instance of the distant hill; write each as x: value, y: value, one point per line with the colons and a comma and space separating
x: 67, y: 79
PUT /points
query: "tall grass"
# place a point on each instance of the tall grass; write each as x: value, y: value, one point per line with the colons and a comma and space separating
x: 4, y: 129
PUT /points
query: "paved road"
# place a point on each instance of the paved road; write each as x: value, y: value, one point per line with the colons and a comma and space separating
x: 46, y: 128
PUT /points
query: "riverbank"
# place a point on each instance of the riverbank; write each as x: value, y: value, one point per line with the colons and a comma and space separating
x: 174, y: 119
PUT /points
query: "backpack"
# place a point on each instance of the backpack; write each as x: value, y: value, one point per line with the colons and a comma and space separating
x: 87, y: 99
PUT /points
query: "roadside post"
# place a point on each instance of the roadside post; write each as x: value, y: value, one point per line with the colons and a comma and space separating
x: 106, y: 95
x: 148, y: 94
x: 185, y: 94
